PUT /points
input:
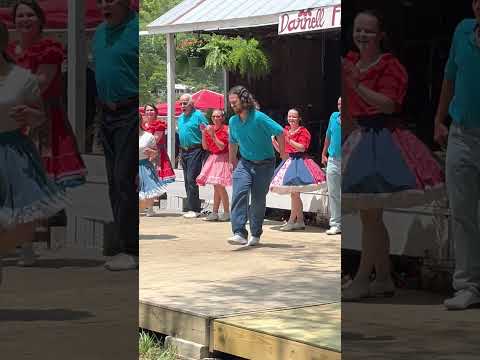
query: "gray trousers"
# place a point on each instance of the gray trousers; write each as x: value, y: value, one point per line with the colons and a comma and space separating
x: 463, y: 186
x: 334, y: 185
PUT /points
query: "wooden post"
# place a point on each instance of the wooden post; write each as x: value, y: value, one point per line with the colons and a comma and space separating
x: 225, y: 91
x: 77, y: 68
x: 171, y: 96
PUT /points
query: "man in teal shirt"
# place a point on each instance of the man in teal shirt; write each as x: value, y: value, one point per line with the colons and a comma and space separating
x: 460, y: 97
x: 251, y: 131
x: 333, y: 146
x: 192, y: 154
x: 115, y: 52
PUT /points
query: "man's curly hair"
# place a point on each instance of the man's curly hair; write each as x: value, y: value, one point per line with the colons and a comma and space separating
x: 246, y: 98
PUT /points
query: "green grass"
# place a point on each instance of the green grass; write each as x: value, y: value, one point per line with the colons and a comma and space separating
x: 149, y: 348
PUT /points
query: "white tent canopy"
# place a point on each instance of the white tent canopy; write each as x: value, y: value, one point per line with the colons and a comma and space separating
x: 209, y: 15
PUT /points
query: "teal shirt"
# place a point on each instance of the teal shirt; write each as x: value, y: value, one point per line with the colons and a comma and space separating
x: 254, y: 136
x: 189, y: 128
x: 463, y: 67
x: 115, y: 53
x: 334, y: 134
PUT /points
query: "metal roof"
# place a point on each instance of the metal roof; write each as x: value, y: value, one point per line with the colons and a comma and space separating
x: 205, y: 15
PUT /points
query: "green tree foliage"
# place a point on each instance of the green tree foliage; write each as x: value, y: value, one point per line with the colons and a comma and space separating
x: 152, y: 67
x: 152, y: 9
x: 153, y: 54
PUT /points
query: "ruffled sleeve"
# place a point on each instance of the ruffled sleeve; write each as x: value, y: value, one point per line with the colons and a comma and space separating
x: 155, y: 126
x: 394, y: 80
x: 50, y: 52
x: 303, y: 137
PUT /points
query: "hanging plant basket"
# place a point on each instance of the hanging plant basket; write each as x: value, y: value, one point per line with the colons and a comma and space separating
x: 239, y: 55
x: 195, y: 62
x: 192, y: 50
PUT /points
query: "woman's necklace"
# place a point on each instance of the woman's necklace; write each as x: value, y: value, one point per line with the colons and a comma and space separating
x: 362, y: 66
x: 292, y: 131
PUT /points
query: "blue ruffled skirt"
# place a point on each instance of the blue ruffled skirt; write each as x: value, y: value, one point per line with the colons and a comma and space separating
x: 26, y: 193
x: 298, y: 173
x: 385, y: 165
x: 149, y: 185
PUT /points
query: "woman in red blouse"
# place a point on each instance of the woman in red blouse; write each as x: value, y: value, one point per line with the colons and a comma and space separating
x: 383, y: 164
x: 162, y: 162
x: 157, y: 128
x: 216, y: 170
x: 44, y: 58
x: 54, y: 139
x: 298, y: 173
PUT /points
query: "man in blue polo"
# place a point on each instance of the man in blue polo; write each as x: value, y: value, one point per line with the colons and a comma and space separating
x: 251, y: 131
x: 115, y: 52
x: 191, y: 152
x: 460, y: 98
x: 333, y: 147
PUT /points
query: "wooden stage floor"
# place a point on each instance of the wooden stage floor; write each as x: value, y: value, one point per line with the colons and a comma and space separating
x: 276, y: 301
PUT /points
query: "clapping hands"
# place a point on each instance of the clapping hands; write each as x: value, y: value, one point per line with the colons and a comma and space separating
x: 21, y: 114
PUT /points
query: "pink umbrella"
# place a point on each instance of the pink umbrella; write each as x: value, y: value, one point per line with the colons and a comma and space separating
x: 207, y: 99
x: 163, y: 109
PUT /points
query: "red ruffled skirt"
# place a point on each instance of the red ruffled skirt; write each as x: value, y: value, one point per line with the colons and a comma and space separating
x: 164, y: 166
x: 57, y: 146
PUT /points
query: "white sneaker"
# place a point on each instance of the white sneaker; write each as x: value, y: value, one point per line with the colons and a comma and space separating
x: 333, y: 231
x: 288, y: 227
x: 299, y: 226
x: 253, y: 241
x: 356, y: 291
x: 150, y: 212
x: 211, y: 217
x: 224, y: 217
x: 237, y: 239
x: 122, y: 262
x: 191, y: 215
x: 382, y: 288
x: 463, y: 299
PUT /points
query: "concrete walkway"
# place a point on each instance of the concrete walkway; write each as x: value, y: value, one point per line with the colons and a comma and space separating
x: 68, y: 307
x: 411, y: 325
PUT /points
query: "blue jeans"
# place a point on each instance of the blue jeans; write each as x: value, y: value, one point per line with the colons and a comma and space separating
x: 250, y: 179
x: 192, y: 162
x: 334, y: 185
x: 463, y: 187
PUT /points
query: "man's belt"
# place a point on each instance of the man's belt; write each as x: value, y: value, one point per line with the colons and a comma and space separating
x: 190, y: 148
x: 119, y: 105
x: 261, y: 162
